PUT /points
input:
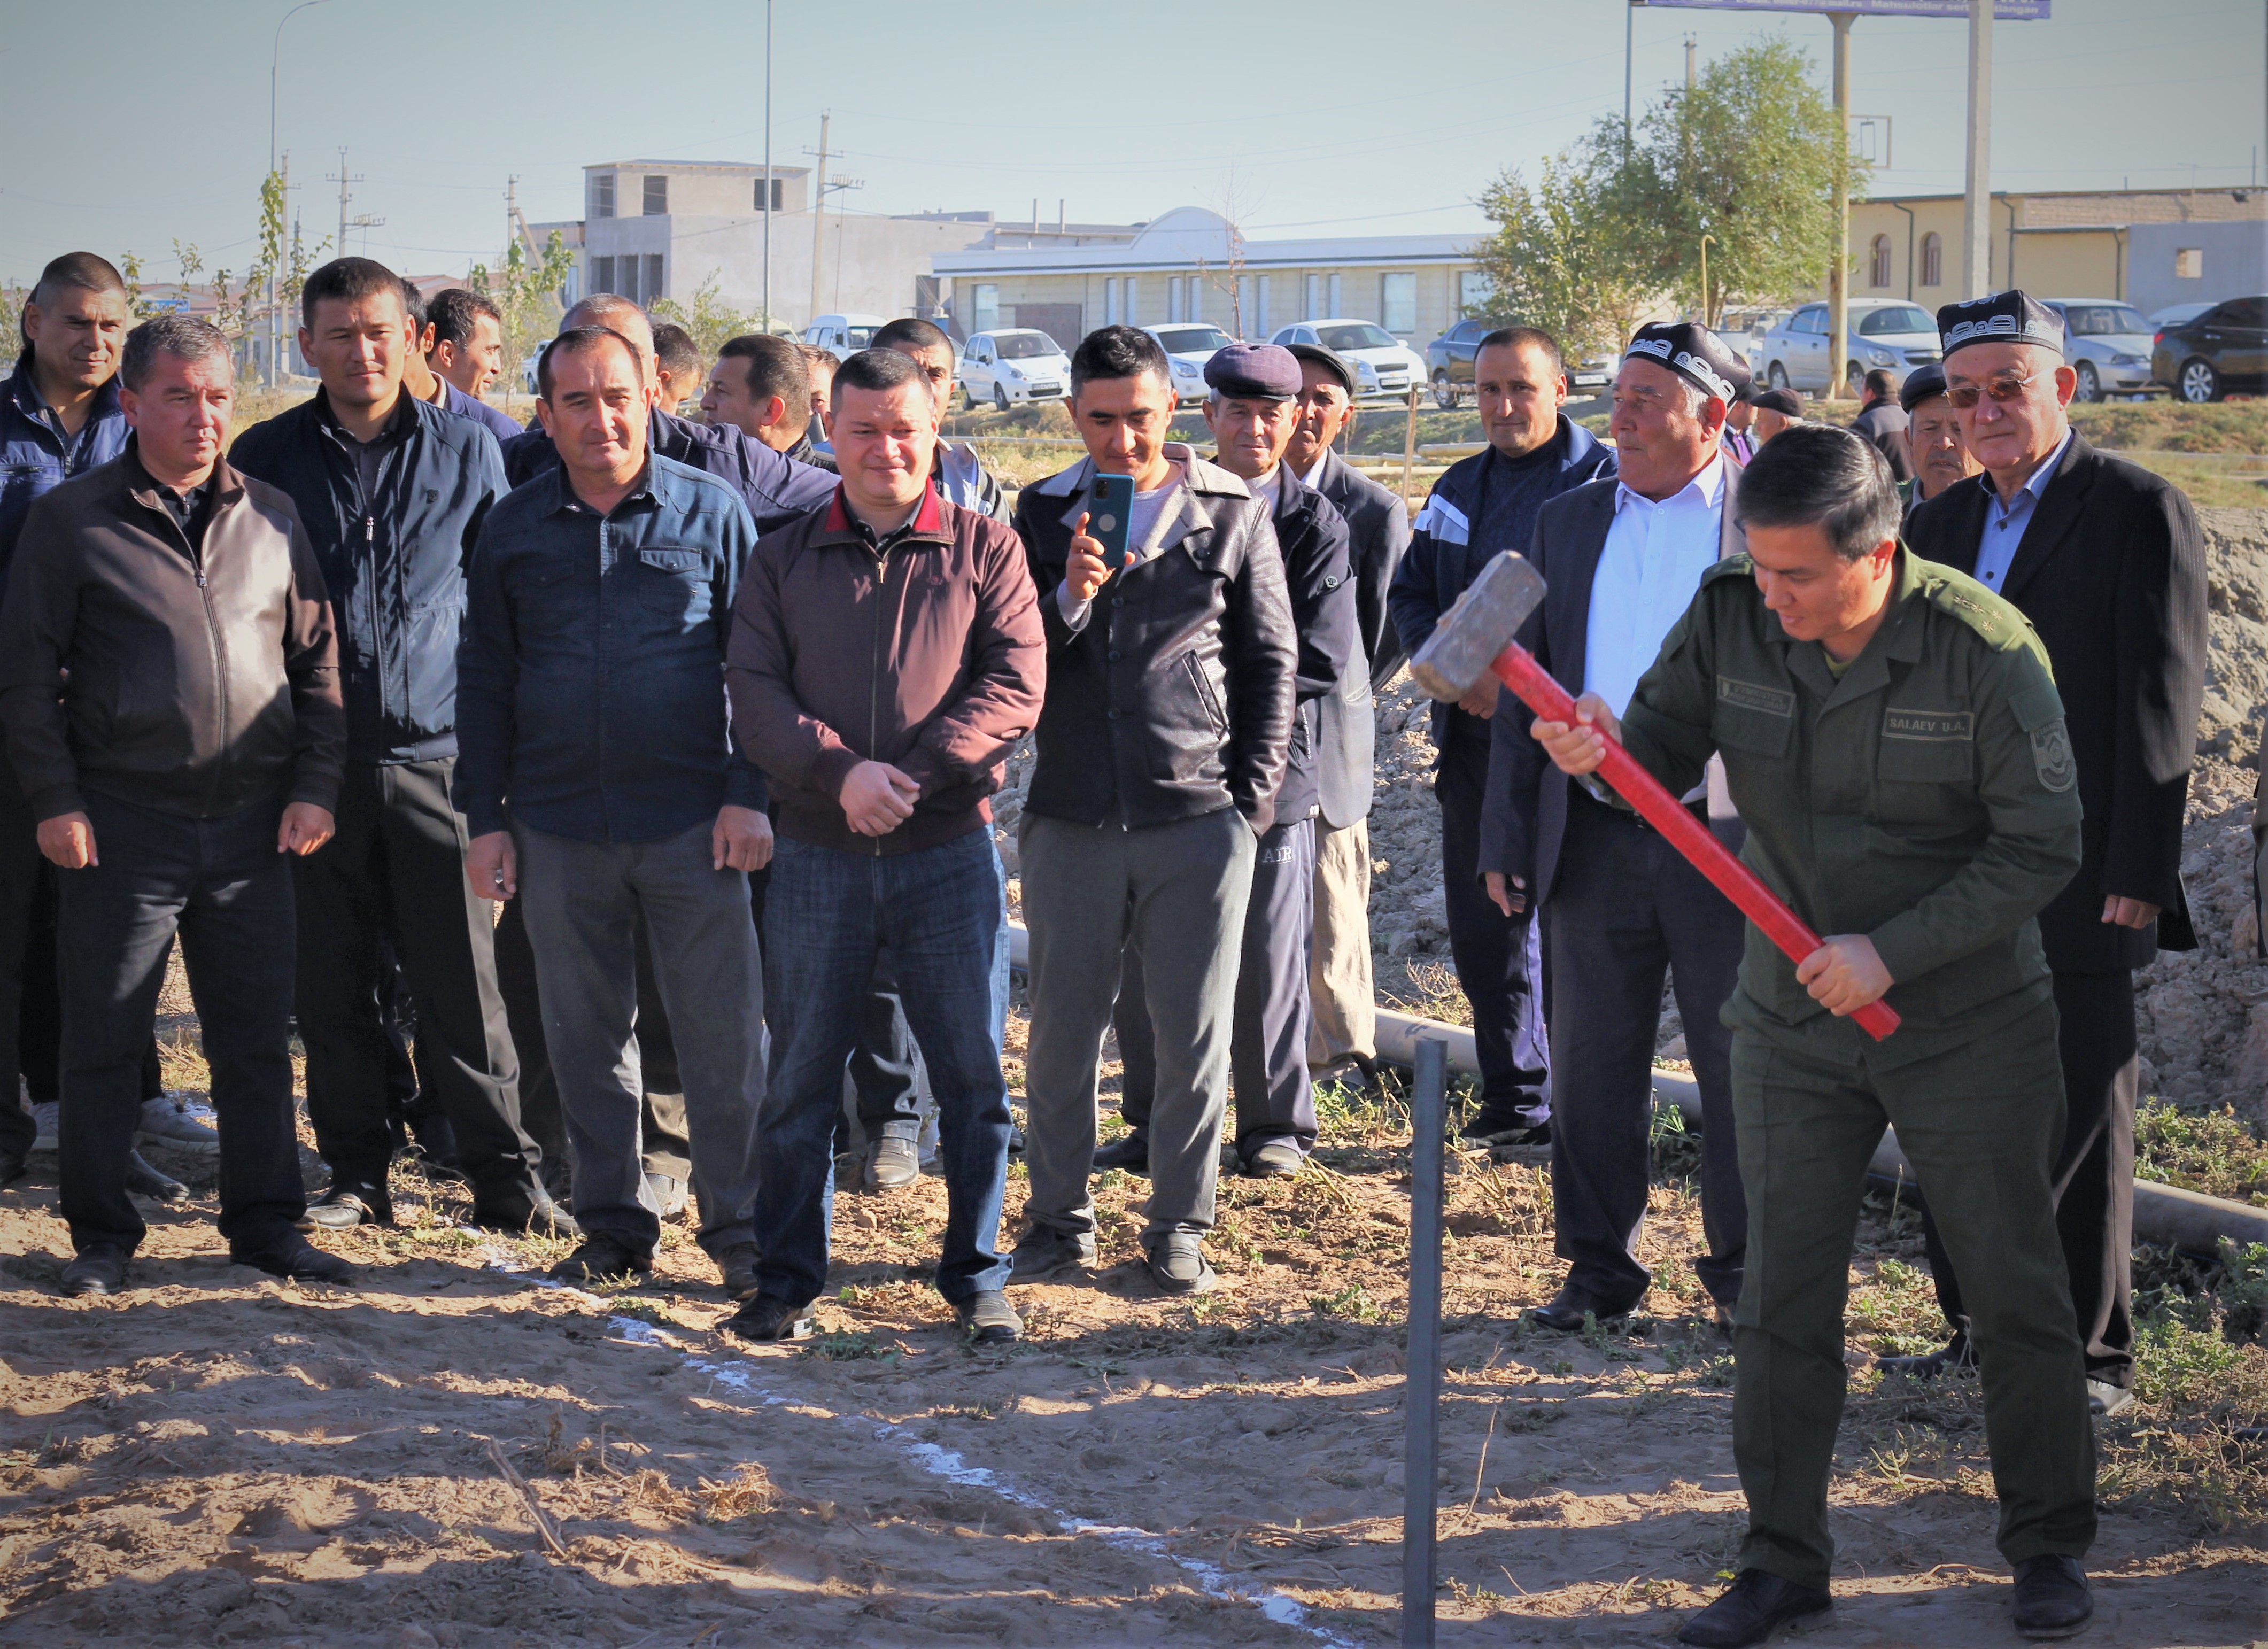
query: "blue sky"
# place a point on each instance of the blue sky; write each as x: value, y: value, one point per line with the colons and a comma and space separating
x: 127, y: 124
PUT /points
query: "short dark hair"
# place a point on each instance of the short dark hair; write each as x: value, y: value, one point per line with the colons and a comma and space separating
x: 413, y: 305
x: 347, y: 279
x: 1118, y: 352
x: 912, y: 332
x: 1819, y: 475
x: 1881, y: 385
x: 580, y: 341
x: 675, y: 348
x: 455, y: 311
x: 1526, y: 338
x: 184, y: 337
x: 877, y: 368
x: 825, y: 359
x: 84, y: 270
x: 775, y: 367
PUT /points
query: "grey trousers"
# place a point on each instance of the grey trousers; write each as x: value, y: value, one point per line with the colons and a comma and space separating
x: 583, y: 903
x: 1177, y: 892
x: 1341, y: 992
x: 1268, y: 1049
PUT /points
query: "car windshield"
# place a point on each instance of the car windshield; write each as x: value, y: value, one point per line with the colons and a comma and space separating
x: 1362, y: 335
x: 858, y: 337
x: 1190, y: 340
x: 2103, y: 321
x: 1025, y: 346
x: 1896, y: 317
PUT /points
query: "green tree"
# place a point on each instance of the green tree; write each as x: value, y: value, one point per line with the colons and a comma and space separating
x: 1749, y: 155
x: 526, y: 292
x: 709, y: 318
x: 1565, y: 257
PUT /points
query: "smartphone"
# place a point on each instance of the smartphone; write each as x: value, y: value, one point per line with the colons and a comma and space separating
x: 1111, y: 518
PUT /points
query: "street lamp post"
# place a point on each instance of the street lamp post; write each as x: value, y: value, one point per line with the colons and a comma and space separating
x: 275, y: 54
x: 1705, y: 240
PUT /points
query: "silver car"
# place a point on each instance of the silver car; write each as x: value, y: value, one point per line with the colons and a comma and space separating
x: 2107, y: 343
x: 1890, y: 334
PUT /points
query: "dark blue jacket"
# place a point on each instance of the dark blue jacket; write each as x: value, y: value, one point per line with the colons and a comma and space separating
x: 1449, y: 548
x: 775, y: 488
x: 34, y: 456
x: 395, y: 563
x: 480, y: 412
x: 592, y: 676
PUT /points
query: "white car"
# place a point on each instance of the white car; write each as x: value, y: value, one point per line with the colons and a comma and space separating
x: 1383, y: 364
x: 843, y: 336
x: 1013, y: 367
x: 1887, y: 332
x: 1189, y: 345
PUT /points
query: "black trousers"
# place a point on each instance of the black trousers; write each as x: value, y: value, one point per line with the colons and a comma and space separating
x: 1491, y: 949
x: 1625, y: 910
x: 2093, y: 1175
x: 221, y: 885
x: 394, y: 875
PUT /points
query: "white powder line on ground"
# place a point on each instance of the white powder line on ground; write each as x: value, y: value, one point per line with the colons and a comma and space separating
x: 949, y: 1464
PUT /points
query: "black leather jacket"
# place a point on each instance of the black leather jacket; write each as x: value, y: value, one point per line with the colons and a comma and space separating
x: 1175, y: 698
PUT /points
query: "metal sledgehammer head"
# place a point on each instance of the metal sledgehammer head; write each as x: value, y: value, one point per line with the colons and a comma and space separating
x: 1481, y: 625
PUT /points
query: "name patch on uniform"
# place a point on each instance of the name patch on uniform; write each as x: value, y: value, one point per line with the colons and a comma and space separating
x: 2051, y: 756
x: 1930, y: 727
x: 1749, y: 695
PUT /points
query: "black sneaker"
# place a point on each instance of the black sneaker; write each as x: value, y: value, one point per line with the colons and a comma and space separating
x: 1043, y: 1254
x: 602, y: 1259
x: 1128, y: 1153
x: 767, y: 1318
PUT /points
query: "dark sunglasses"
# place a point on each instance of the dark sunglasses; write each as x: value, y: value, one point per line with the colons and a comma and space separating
x: 2001, y: 389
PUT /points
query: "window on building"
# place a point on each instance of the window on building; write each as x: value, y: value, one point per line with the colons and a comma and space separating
x: 1312, y: 299
x: 1110, y: 301
x: 1933, y: 260
x: 602, y: 194
x: 1397, y: 302
x: 1133, y: 307
x: 1267, y: 308
x: 1193, y: 308
x: 1474, y: 293
x: 602, y: 275
x: 2188, y: 263
x: 657, y: 195
x: 984, y: 307
x: 653, y: 283
x: 778, y: 186
x: 1338, y: 301
x: 1172, y: 298
x: 1878, y: 262
x: 1247, y: 306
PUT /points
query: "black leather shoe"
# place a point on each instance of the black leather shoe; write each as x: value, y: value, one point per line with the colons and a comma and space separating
x: 737, y: 1267
x: 1277, y: 1159
x: 296, y: 1260
x: 1751, y: 1609
x: 602, y: 1259
x: 1128, y: 1152
x: 988, y: 1318
x: 1954, y: 1355
x: 1043, y: 1254
x: 768, y: 1318
x: 100, y: 1269
x: 2052, y: 1599
x: 535, y: 1212
x: 345, y: 1206
x: 1570, y: 1306
x: 144, y: 1180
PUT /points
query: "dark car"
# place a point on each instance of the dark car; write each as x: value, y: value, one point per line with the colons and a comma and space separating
x: 1449, y: 361
x: 2223, y: 350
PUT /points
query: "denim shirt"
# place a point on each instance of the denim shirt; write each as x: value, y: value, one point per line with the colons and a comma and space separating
x: 34, y: 456
x: 590, y: 678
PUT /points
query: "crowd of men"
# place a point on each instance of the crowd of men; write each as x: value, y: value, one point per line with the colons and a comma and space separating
x: 713, y: 712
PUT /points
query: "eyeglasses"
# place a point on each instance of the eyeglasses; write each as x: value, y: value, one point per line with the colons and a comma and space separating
x: 2003, y: 389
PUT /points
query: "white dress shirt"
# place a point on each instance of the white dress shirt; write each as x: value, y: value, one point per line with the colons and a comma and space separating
x: 1651, y: 564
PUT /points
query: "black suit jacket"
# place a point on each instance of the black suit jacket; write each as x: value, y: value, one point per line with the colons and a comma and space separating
x: 1524, y: 813
x: 2111, y: 573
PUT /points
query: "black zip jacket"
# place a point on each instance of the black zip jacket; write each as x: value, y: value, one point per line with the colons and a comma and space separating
x: 393, y: 561
x: 1313, y: 536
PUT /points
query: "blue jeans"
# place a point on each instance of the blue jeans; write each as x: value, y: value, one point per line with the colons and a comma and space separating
x: 942, y: 911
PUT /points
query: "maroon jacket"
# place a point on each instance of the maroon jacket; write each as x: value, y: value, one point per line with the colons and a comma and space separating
x: 928, y: 656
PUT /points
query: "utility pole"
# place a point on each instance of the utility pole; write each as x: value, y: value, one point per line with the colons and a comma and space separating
x: 1838, y: 272
x: 818, y: 218
x: 769, y: 185
x: 1689, y: 44
x: 1629, y: 37
x: 1976, y: 210
x: 364, y: 221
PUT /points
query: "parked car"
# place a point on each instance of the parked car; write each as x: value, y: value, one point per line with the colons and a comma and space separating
x: 2176, y: 314
x: 1013, y: 367
x: 1449, y: 361
x: 1888, y: 333
x: 1189, y: 345
x: 1383, y: 364
x: 2225, y: 348
x: 2107, y: 343
x: 843, y: 336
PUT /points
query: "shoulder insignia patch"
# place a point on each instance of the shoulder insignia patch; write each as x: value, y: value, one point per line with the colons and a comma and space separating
x: 1747, y: 695
x: 2051, y: 756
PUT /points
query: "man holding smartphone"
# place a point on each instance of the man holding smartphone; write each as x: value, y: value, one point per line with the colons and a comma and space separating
x: 1162, y: 744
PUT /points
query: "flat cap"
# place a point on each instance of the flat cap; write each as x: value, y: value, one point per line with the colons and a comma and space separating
x: 1920, y: 385
x: 2011, y: 317
x: 1786, y: 402
x: 1694, y: 353
x: 1253, y: 372
x: 1330, y: 360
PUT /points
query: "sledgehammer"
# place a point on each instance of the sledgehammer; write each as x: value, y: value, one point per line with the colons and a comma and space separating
x: 1475, y: 637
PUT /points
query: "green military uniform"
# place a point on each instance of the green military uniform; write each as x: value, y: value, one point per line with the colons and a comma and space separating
x: 1924, y: 798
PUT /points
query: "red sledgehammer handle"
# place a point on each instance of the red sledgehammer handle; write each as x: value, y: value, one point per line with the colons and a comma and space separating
x: 1516, y: 667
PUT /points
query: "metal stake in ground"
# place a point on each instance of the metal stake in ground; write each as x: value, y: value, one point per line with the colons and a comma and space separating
x: 1421, y: 1397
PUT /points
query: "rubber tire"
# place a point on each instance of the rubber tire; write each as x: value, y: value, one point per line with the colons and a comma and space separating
x: 2198, y: 382
x: 967, y: 398
x: 2090, y: 386
x: 1445, y: 393
x: 999, y: 398
x: 1776, y: 376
